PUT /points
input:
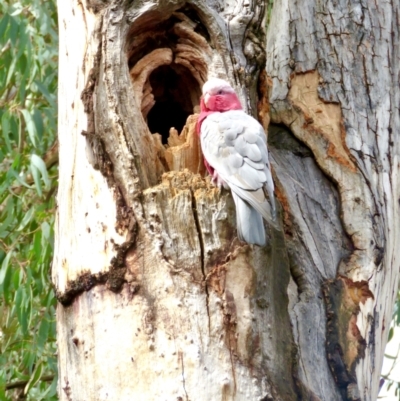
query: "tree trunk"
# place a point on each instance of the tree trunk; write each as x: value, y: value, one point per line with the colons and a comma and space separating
x: 159, y: 300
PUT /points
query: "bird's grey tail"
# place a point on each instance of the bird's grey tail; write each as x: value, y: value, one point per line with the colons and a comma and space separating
x: 250, y: 224
x: 264, y: 208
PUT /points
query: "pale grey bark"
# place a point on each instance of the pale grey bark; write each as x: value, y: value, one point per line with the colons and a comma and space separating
x: 348, y: 54
x: 158, y: 298
x: 316, y: 243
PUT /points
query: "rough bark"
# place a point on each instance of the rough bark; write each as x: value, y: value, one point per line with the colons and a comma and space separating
x: 158, y: 298
x: 333, y: 69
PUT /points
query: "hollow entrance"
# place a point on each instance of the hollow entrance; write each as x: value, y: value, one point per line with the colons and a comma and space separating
x: 176, y: 92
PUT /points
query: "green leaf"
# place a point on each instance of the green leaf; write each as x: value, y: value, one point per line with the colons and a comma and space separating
x: 5, y: 270
x: 37, y: 118
x: 9, y: 217
x: 26, y: 219
x: 16, y: 163
x: 6, y: 128
x: 5, y: 277
x: 17, y: 9
x: 36, y: 178
x: 23, y: 307
x: 18, y: 177
x: 17, y: 278
x: 390, y: 357
x: 53, y: 388
x: 391, y: 332
x: 38, y: 163
x: 43, y: 333
x: 10, y: 71
x: 37, y: 374
x: 37, y: 244
x: 22, y: 40
x: 23, y: 77
x: 3, y: 26
x: 13, y: 32
x: 30, y: 126
x: 49, y: 97
x: 45, y: 231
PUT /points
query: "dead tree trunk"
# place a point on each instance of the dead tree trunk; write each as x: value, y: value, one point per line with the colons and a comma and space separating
x: 334, y: 72
x: 158, y: 298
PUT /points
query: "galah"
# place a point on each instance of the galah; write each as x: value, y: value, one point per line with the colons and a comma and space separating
x: 236, y: 156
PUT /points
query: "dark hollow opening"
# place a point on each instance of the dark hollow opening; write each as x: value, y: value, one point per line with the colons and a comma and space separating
x: 176, y: 93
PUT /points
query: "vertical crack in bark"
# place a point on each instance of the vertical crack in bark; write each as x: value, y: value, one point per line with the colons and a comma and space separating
x: 312, y: 237
x: 200, y: 235
x: 180, y: 356
x: 95, y: 150
x: 230, y: 321
x: 299, y: 350
x: 232, y: 364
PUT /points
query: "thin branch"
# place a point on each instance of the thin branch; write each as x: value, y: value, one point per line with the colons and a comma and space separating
x: 23, y: 383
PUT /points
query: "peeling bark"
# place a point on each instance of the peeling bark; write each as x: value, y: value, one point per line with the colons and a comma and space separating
x: 332, y: 70
x: 149, y: 272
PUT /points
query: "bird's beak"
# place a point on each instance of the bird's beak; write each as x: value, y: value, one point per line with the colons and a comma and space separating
x: 206, y: 98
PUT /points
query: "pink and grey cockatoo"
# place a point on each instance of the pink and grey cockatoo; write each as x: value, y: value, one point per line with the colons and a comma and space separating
x: 235, y: 153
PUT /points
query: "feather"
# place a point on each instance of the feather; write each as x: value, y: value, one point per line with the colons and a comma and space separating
x: 259, y: 165
x: 250, y: 137
x: 249, y: 222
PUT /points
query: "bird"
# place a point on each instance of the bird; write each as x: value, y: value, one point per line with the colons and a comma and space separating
x: 235, y: 153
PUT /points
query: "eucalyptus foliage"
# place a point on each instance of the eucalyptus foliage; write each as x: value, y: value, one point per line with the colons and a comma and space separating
x: 392, y: 381
x: 28, y: 179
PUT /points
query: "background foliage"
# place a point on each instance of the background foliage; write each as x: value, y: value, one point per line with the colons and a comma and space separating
x: 392, y: 380
x: 28, y: 179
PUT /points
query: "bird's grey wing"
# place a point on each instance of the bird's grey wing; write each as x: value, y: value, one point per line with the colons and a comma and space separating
x: 234, y: 144
x: 215, y: 139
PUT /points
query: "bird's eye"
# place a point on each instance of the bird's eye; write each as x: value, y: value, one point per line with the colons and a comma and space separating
x: 220, y: 92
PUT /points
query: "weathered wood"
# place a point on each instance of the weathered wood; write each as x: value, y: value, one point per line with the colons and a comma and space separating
x: 158, y: 298
x: 316, y: 243
x: 333, y: 67
x: 183, y: 309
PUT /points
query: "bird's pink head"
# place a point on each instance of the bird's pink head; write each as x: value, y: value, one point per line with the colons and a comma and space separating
x: 219, y: 96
